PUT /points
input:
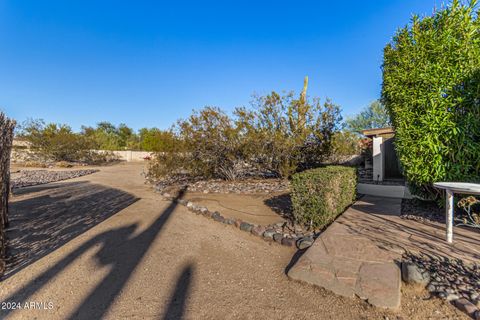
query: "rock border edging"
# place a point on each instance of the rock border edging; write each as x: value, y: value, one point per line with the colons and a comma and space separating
x: 267, y: 233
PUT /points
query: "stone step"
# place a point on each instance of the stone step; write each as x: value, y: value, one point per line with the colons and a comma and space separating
x: 348, y: 263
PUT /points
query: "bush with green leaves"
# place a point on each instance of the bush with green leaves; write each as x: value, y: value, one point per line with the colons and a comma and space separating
x: 279, y: 136
x: 106, y: 136
x: 284, y: 135
x: 344, y: 145
x: 320, y: 195
x: 431, y: 89
x: 56, y: 141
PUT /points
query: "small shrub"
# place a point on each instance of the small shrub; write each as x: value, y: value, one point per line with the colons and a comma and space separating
x: 344, y: 145
x: 320, y: 195
x: 55, y: 142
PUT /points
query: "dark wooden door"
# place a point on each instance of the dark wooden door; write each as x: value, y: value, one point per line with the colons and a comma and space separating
x: 392, y: 165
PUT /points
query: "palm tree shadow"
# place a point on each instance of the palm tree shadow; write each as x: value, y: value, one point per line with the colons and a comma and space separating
x: 121, y: 250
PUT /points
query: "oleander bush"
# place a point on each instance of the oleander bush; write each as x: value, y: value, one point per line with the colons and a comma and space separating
x: 320, y: 195
x: 431, y: 89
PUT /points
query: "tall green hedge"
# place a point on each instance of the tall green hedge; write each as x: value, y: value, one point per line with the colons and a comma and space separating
x: 431, y: 89
x: 320, y: 195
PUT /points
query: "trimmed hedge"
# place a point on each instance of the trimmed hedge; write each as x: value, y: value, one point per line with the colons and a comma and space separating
x: 320, y: 195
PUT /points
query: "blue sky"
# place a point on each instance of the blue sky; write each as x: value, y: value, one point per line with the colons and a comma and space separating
x: 148, y: 63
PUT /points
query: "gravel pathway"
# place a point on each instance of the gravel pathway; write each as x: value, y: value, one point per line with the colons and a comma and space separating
x: 26, y: 178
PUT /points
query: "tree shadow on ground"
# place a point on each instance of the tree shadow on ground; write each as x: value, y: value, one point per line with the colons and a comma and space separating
x: 389, y: 231
x: 281, y: 205
x: 56, y: 214
x: 176, y: 307
x: 121, y: 251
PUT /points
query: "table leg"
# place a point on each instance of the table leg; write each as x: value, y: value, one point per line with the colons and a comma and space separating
x: 449, y: 217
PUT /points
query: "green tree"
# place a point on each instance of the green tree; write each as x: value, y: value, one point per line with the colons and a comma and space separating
x: 154, y: 139
x: 431, y: 89
x: 55, y: 141
x: 372, y: 117
x: 107, y: 136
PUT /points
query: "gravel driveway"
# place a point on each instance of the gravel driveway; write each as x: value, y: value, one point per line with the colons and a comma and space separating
x: 150, y: 259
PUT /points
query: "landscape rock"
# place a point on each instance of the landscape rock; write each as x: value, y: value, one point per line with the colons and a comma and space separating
x: 304, y: 243
x: 452, y: 297
x: 244, y: 226
x: 268, y: 234
x: 229, y: 221
x: 289, y: 242
x: 413, y: 274
x: 240, y: 187
x: 218, y: 217
x: 258, y: 231
x: 466, y: 306
x: 277, y: 237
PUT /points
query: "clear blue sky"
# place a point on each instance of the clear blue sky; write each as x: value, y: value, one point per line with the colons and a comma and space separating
x: 147, y: 63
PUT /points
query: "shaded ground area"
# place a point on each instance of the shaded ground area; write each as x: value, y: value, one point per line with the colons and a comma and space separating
x: 43, y: 218
x: 385, y: 227
x: 261, y: 209
x: 154, y: 260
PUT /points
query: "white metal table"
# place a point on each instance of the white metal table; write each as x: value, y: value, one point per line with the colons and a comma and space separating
x: 451, y: 188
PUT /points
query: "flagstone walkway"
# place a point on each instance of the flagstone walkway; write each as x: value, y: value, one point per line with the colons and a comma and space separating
x: 359, y: 254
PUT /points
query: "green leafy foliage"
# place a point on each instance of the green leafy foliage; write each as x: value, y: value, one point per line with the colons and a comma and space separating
x: 344, y: 144
x: 279, y: 135
x: 284, y: 134
x: 106, y: 136
x: 372, y: 117
x: 154, y: 139
x: 320, y: 195
x: 431, y: 89
x: 55, y: 141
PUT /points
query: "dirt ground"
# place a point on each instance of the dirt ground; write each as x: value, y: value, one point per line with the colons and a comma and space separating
x: 114, y: 250
x: 253, y: 208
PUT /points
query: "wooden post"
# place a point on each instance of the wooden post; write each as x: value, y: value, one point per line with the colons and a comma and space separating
x: 449, y: 215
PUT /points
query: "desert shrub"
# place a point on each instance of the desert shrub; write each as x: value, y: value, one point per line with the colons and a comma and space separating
x: 320, y: 195
x: 278, y: 136
x: 344, y: 144
x: 207, y: 145
x: 106, y: 136
x: 431, y: 87
x: 156, y: 140
x: 55, y: 141
x: 284, y: 134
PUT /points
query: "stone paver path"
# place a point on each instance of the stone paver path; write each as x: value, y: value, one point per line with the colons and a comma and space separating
x: 358, y: 254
